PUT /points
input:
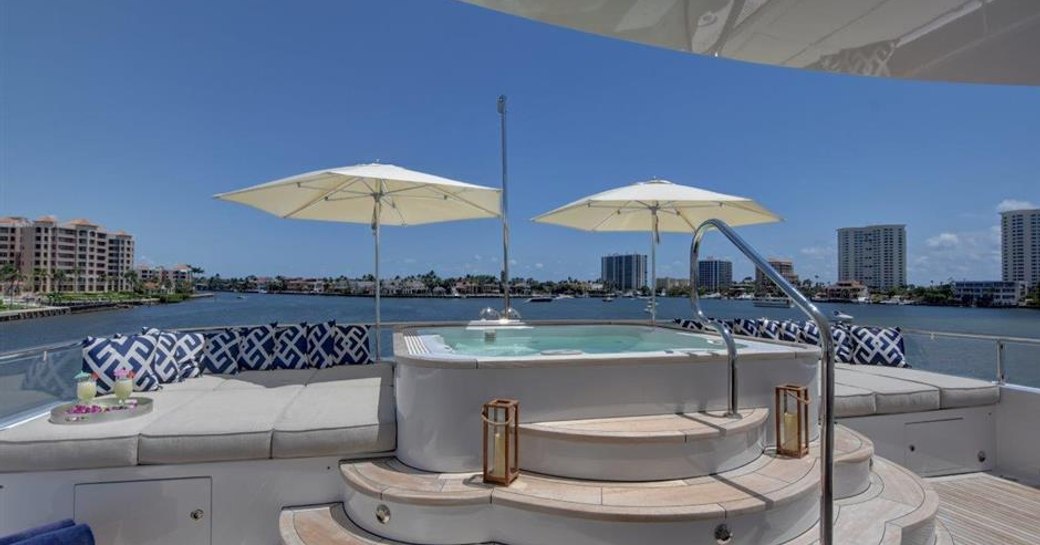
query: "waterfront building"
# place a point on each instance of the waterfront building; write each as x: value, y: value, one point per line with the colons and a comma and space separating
x: 995, y: 293
x: 714, y: 275
x: 78, y: 255
x: 1020, y: 246
x: 847, y: 290
x: 669, y: 283
x: 624, y: 272
x: 874, y: 255
x: 165, y: 277
x: 783, y: 266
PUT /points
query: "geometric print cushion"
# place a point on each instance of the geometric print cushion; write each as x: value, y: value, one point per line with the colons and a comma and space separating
x: 325, y: 347
x: 354, y: 339
x: 133, y: 353
x: 220, y: 353
x: 878, y: 346
x: 747, y: 327
x: 176, y: 356
x: 811, y: 333
x: 689, y: 324
x: 291, y: 347
x: 768, y: 329
x: 790, y: 331
x: 842, y: 343
x: 256, y: 348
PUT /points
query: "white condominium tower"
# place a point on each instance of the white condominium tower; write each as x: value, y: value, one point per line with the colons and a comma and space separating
x: 1020, y: 246
x: 874, y: 255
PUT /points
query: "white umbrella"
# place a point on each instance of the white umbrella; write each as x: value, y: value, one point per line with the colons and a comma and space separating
x: 656, y: 206
x: 376, y: 194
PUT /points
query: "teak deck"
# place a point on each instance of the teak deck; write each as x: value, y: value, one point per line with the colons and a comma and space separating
x: 980, y: 509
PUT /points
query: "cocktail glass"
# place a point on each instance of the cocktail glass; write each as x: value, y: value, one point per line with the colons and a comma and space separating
x: 123, y: 389
x: 86, y: 390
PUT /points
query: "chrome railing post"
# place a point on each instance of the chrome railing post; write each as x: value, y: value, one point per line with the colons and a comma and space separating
x: 1001, y: 375
x: 732, y: 403
x: 826, y: 359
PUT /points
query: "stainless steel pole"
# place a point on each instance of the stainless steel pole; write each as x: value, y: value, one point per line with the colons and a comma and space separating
x: 376, y: 217
x: 505, y: 211
x: 653, y: 266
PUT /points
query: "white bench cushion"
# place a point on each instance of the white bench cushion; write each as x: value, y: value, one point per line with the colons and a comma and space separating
x: 890, y: 395
x: 853, y: 401
x: 954, y: 392
x: 343, y: 374
x: 218, y: 425
x: 39, y: 445
x: 198, y: 384
x: 328, y: 421
x: 278, y: 378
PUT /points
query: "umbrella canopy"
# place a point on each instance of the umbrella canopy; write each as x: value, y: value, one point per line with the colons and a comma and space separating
x: 375, y: 194
x: 656, y: 206
x: 679, y: 209
x: 347, y: 194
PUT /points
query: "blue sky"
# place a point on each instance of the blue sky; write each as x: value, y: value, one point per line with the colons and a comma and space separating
x: 133, y: 113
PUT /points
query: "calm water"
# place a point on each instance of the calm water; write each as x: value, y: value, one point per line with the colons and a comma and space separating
x: 969, y: 358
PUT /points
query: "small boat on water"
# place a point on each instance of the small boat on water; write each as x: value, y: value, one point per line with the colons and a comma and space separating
x: 608, y: 299
x: 541, y: 299
x: 715, y: 295
x: 773, y: 302
x: 841, y: 317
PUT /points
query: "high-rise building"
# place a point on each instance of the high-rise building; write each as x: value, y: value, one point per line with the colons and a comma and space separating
x: 714, y: 274
x: 874, y: 255
x: 74, y: 256
x: 1020, y: 246
x: 623, y: 272
x: 783, y: 266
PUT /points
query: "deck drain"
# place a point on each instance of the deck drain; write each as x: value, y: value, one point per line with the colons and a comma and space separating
x: 382, y: 514
x: 722, y: 534
x: 982, y: 456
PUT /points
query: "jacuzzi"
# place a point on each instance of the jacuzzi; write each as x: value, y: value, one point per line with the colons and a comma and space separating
x: 570, y: 371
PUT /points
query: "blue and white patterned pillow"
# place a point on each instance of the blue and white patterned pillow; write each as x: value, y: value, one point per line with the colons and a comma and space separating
x: 842, y: 343
x: 878, y: 346
x: 220, y: 354
x: 325, y: 347
x: 135, y: 353
x: 791, y: 331
x: 355, y: 344
x: 689, y: 324
x: 291, y: 347
x: 768, y: 329
x: 748, y: 327
x: 810, y: 333
x: 256, y: 347
x: 177, y: 354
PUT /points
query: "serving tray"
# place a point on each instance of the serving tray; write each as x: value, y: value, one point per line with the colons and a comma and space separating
x: 108, y: 410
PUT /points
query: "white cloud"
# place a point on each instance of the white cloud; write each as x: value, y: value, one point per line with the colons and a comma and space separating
x: 817, y: 251
x: 539, y: 266
x: 944, y: 240
x: 1014, y: 204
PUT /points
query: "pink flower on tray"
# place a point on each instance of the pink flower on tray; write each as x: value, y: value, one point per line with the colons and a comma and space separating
x: 123, y: 373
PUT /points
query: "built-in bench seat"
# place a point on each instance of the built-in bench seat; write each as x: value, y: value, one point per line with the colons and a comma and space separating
x: 898, y: 390
x: 337, y: 411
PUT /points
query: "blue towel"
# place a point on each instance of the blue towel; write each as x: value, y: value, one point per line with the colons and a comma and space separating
x: 79, y: 534
x: 14, y: 539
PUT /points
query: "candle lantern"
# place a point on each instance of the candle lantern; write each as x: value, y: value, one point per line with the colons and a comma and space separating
x: 501, y: 428
x: 792, y: 420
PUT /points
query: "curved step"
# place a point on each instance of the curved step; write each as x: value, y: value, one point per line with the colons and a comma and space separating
x: 326, y: 524
x: 772, y: 498
x: 644, y: 448
x: 898, y: 508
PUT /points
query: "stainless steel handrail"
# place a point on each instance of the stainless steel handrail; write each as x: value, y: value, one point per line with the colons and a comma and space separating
x: 827, y: 359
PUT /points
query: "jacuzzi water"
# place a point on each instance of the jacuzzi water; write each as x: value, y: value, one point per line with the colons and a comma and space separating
x: 562, y: 340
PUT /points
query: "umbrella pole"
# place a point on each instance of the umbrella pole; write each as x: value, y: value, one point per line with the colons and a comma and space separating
x: 653, y: 267
x: 375, y: 233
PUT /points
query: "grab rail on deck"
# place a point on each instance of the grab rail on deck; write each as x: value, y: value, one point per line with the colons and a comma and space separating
x: 827, y: 359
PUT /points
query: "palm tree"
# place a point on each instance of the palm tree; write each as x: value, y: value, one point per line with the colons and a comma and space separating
x: 131, y: 278
x: 76, y: 274
x: 39, y: 277
x: 58, y: 276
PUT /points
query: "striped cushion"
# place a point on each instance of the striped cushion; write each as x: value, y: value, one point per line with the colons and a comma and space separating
x: 134, y: 353
x: 220, y: 355
x: 291, y: 347
x: 256, y: 347
x: 878, y: 346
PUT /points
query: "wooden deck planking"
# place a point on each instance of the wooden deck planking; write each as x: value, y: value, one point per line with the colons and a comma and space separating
x: 980, y: 509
